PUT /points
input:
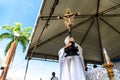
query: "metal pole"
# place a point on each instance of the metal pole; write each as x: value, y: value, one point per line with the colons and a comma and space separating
x: 26, y: 68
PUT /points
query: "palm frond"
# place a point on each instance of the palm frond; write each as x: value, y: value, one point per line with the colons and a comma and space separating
x: 23, y: 41
x: 26, y: 34
x: 6, y: 36
x: 27, y: 29
x: 17, y: 27
x: 7, y: 27
x: 8, y: 47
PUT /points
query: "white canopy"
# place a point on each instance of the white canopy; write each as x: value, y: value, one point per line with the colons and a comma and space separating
x: 97, y: 27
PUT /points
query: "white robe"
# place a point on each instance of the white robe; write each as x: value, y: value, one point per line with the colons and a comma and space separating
x: 71, y: 67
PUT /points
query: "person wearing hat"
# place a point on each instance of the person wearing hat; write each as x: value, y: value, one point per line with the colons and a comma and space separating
x: 71, y: 61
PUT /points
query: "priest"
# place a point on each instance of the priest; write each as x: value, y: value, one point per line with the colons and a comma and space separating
x: 71, y: 61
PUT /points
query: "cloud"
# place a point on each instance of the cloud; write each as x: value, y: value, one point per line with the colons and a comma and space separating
x: 2, y: 55
x: 16, y: 74
x: 1, y: 52
x: 19, y: 75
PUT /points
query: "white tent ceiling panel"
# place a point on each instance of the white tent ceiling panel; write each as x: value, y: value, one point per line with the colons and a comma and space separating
x: 106, y: 4
x: 95, y: 28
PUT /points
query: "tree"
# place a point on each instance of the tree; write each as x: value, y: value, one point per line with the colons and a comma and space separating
x: 17, y: 35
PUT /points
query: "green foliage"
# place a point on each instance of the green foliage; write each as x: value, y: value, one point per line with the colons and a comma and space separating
x: 8, y: 28
x: 16, y: 33
x: 8, y: 46
x: 5, y: 35
x: 23, y: 41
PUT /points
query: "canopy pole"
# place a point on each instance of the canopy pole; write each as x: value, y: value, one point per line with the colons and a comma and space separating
x: 50, y: 15
x: 110, y: 25
x: 90, y: 26
x: 100, y: 42
x: 110, y: 15
x: 116, y: 57
x: 110, y: 9
x: 98, y: 5
x: 28, y: 59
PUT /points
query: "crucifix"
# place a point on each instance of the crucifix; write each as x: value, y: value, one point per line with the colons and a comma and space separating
x: 68, y: 19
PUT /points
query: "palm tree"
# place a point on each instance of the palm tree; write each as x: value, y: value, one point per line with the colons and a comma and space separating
x: 17, y: 35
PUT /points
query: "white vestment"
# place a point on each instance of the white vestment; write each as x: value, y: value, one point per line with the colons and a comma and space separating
x: 54, y: 78
x: 71, y: 67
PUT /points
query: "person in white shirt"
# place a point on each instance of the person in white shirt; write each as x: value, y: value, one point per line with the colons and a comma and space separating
x: 53, y: 76
x: 71, y: 61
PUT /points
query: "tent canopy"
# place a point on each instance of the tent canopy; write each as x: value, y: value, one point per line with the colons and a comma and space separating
x: 97, y: 27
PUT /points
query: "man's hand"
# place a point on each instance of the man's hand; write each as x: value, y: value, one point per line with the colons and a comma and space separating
x: 68, y: 44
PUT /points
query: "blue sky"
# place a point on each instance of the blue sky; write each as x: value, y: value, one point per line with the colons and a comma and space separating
x: 25, y: 12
